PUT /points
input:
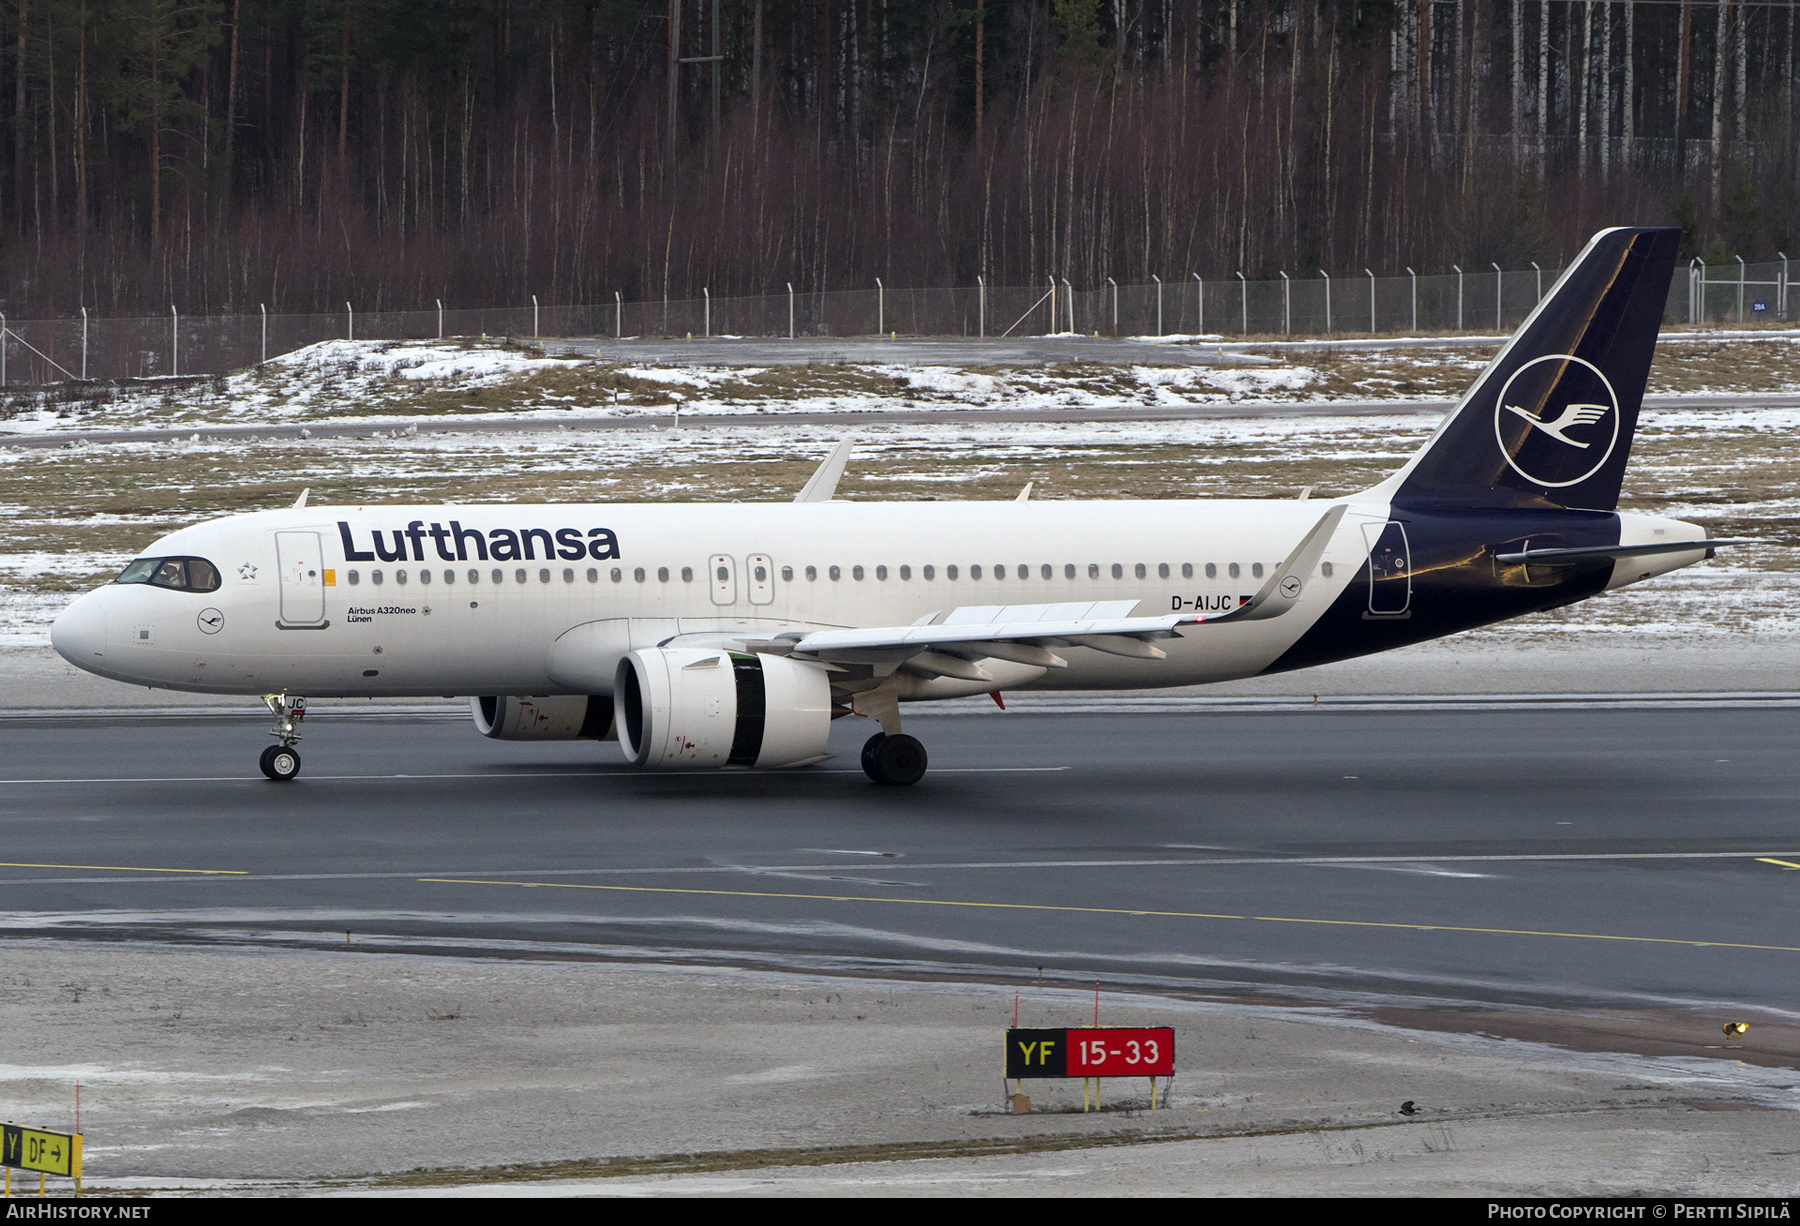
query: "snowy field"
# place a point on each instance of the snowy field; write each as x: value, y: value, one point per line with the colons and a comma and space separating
x: 73, y: 515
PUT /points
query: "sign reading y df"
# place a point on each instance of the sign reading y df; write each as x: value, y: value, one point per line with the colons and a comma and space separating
x: 32, y: 1149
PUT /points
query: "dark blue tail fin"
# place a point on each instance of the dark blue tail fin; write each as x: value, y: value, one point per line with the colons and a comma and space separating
x: 1549, y: 422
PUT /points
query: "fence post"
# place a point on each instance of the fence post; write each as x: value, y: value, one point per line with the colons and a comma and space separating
x: 1244, y: 293
x: 1540, y: 280
x: 3, y: 335
x: 706, y: 293
x: 1115, y: 305
x: 1371, y: 299
x: 1199, y: 304
x: 1069, y: 298
x: 265, y: 332
x: 1740, y: 260
x: 1459, y: 297
x: 1784, y: 283
x: 880, y: 308
x: 440, y: 307
x: 349, y: 322
x: 84, y: 344
x: 1499, y: 278
x: 1327, y: 277
x: 618, y: 316
x: 1415, y: 298
x: 1698, y: 292
x: 534, y: 317
x: 790, y: 286
x: 1158, y: 281
x: 1287, y: 305
x: 174, y: 340
x: 981, y: 305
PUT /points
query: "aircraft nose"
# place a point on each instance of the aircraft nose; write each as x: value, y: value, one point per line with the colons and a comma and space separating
x: 79, y: 632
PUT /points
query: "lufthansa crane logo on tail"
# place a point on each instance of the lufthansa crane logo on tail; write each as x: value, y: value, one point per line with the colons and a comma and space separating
x: 1557, y: 420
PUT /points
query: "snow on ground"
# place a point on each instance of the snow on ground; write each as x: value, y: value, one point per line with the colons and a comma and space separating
x: 70, y: 516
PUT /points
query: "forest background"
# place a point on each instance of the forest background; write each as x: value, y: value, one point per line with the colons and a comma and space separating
x: 300, y: 153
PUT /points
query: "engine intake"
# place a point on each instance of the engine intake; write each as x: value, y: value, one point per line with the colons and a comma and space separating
x: 553, y: 717
x: 706, y: 709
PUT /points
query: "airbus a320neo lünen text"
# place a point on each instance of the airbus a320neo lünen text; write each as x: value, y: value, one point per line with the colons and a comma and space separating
x: 706, y: 637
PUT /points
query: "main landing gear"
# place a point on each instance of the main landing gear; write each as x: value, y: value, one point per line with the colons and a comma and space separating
x: 896, y: 761
x: 281, y: 761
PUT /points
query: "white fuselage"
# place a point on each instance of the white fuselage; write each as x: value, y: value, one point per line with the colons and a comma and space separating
x: 302, y: 610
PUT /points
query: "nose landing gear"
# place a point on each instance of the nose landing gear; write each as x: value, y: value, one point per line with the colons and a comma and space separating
x: 895, y: 761
x: 281, y: 761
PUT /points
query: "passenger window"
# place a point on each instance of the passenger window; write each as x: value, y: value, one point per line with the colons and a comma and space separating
x: 375, y: 577
x: 1256, y: 569
x: 812, y: 572
x: 949, y: 572
x: 354, y: 578
x: 1093, y: 570
x: 543, y: 574
x: 881, y: 572
x: 974, y: 572
x: 1068, y: 570
x: 499, y: 576
x: 1140, y: 572
x: 568, y: 574
x: 1187, y: 570
x: 662, y: 574
x: 906, y: 572
x: 761, y: 572
x: 834, y: 572
x: 399, y: 576
x: 787, y: 574
x: 449, y: 576
x: 424, y: 575
x: 637, y: 574
x: 618, y: 576
x: 1212, y: 570
x: 1118, y: 571
x: 856, y: 573
x: 474, y: 576
x: 1325, y: 569
x: 687, y: 574
x: 1162, y: 570
x: 1232, y: 570
x: 930, y: 572
x: 593, y: 574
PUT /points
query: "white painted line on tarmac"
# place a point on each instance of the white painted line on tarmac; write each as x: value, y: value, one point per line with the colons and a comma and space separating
x: 530, y: 774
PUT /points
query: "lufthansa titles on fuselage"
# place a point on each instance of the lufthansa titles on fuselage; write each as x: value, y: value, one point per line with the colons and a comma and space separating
x: 456, y: 543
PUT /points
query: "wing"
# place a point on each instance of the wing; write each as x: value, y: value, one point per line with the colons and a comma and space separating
x: 1031, y: 634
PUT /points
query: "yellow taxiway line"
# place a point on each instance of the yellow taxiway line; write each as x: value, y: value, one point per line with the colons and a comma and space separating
x: 1134, y: 911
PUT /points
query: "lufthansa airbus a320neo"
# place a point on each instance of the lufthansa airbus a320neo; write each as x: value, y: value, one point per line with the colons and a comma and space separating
x: 707, y: 637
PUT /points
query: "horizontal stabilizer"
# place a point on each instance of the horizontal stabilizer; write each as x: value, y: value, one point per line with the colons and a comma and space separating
x: 1597, y: 553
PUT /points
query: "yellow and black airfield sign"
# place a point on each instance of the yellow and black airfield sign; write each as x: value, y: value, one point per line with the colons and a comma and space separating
x: 33, y: 1149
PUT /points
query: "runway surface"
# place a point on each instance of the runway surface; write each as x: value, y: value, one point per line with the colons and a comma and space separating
x: 1519, y: 853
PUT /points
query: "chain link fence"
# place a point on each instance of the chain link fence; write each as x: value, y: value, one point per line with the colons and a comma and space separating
x: 1492, y: 301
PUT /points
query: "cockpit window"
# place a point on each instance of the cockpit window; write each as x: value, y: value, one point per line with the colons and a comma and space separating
x: 182, y: 574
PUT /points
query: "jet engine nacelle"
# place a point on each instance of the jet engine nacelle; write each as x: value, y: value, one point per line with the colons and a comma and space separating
x: 683, y: 708
x: 536, y: 717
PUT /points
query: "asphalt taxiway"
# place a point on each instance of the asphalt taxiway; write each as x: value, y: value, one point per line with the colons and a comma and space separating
x: 1637, y: 854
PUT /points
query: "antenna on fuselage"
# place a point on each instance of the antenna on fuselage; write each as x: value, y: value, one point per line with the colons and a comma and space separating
x: 301, y: 501
x: 1025, y: 494
x: 825, y: 478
